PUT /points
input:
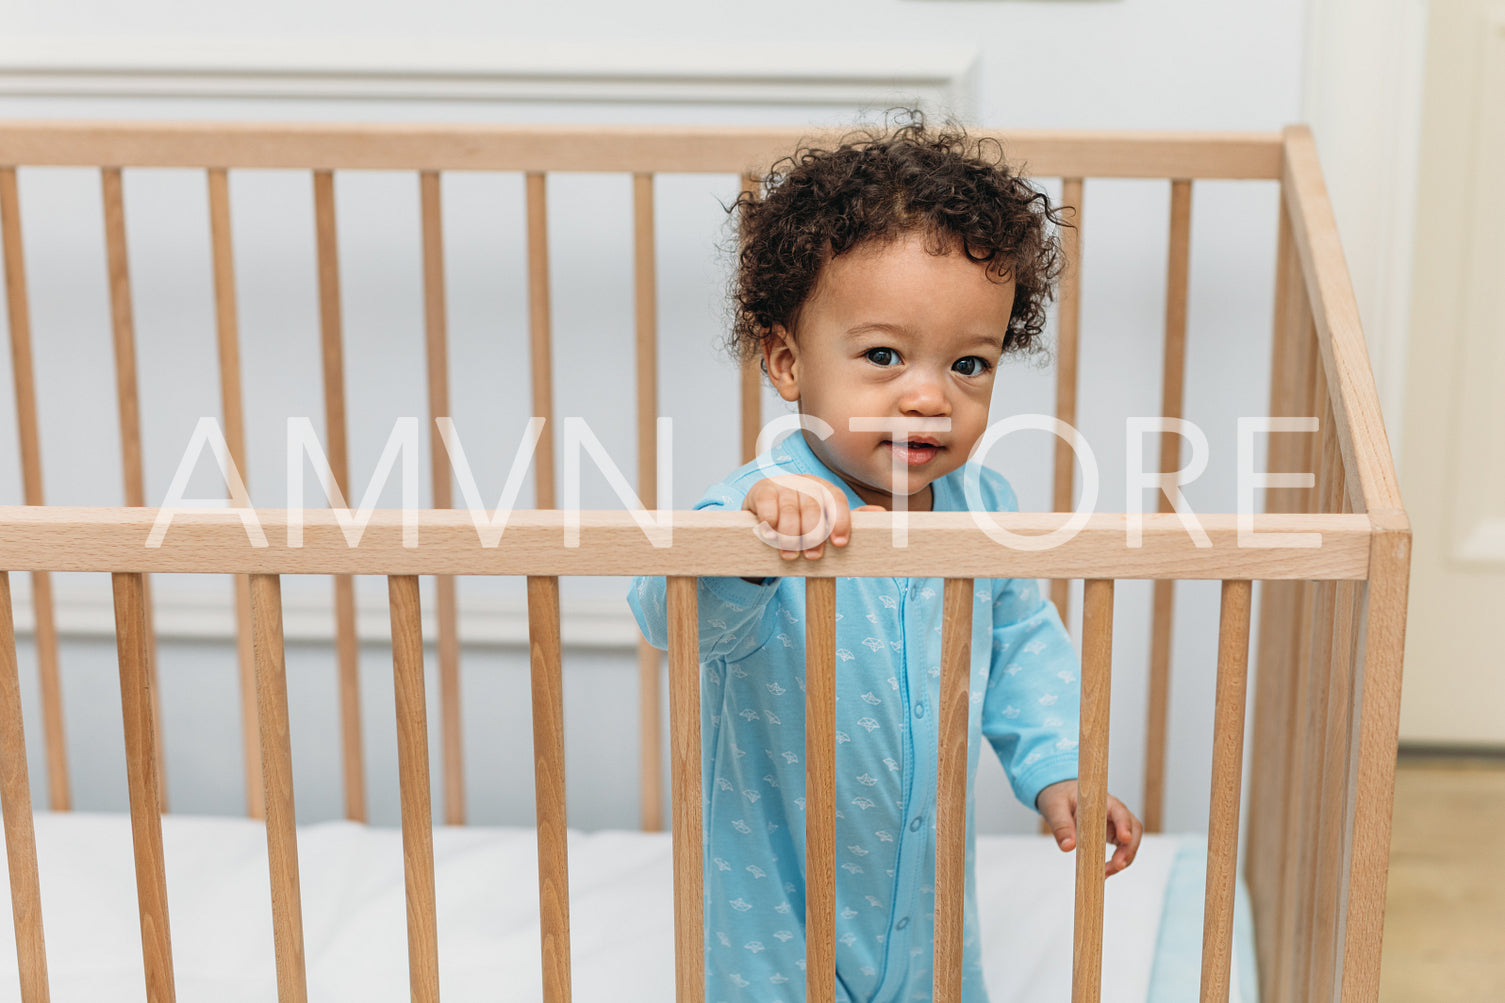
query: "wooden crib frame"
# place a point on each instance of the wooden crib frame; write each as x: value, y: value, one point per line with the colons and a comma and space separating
x: 1330, y: 634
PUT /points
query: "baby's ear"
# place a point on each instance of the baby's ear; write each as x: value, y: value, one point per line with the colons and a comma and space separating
x: 780, y: 357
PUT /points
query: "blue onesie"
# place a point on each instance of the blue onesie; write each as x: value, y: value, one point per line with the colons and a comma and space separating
x: 1025, y: 699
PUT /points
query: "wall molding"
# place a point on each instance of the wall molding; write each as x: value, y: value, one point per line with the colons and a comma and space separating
x: 794, y: 74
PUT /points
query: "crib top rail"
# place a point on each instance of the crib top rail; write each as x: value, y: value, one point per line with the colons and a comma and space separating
x: 661, y: 149
x: 543, y: 542
x: 1372, y: 484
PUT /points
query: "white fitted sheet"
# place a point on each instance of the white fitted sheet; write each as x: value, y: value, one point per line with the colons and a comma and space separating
x: 620, y: 899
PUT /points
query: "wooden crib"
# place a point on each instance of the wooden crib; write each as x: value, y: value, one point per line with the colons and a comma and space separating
x: 1330, y: 636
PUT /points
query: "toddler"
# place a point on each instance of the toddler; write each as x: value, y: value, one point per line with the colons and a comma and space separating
x: 880, y: 282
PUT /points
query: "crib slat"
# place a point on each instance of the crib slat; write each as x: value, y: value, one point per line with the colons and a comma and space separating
x: 1227, y: 780
x: 1092, y: 791
x: 436, y: 335
x: 277, y: 768
x: 1271, y: 795
x: 684, y: 778
x: 1068, y: 322
x: 15, y: 801
x: 1318, y: 641
x: 332, y: 356
x: 820, y: 789
x: 1330, y: 746
x: 123, y: 324
x: 133, y: 647
x: 1178, y: 269
x: 1304, y: 453
x: 650, y: 730
x: 1337, y: 733
x: 951, y: 788
x: 22, y: 372
x: 125, y: 338
x: 540, y: 336
x: 650, y: 694
x: 227, y: 326
x: 548, y: 785
x: 1270, y: 679
x: 752, y: 382
x: 413, y: 777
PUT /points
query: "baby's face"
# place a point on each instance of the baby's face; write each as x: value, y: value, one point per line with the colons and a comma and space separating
x: 892, y: 331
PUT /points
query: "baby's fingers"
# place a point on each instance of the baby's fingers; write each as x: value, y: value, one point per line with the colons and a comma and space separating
x: 812, y: 521
x: 790, y: 519
x: 1124, y: 832
x: 764, y: 506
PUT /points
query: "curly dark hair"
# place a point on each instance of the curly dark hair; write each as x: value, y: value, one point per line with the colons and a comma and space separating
x: 882, y: 183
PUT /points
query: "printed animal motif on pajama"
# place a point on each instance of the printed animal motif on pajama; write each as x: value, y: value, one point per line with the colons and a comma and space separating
x: 1024, y: 700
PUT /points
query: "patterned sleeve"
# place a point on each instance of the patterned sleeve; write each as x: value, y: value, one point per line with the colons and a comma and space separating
x: 1031, y: 710
x: 1032, y: 707
x: 731, y: 611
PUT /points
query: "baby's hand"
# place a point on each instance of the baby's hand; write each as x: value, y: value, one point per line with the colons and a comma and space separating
x: 797, y: 513
x: 1057, y: 803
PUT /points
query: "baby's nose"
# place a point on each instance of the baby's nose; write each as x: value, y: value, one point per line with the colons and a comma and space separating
x: 924, y: 395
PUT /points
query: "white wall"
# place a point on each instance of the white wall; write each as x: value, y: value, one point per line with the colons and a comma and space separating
x: 1362, y: 96
x: 1160, y: 64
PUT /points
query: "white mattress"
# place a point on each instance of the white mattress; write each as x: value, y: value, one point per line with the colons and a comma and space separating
x: 621, y: 914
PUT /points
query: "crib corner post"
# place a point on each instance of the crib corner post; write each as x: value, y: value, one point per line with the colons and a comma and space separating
x: 1376, y: 716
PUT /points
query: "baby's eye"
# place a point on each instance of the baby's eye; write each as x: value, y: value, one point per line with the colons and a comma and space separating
x: 972, y: 365
x: 882, y: 356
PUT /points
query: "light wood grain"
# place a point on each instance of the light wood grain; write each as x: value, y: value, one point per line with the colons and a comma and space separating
x: 413, y: 784
x: 1302, y: 789
x: 540, y: 352
x: 1376, y: 716
x: 15, y: 801
x: 951, y: 787
x: 336, y: 444
x: 1273, y: 682
x: 137, y: 710
x: 820, y: 789
x: 1227, y: 781
x: 1304, y: 453
x: 650, y: 737
x: 1068, y: 335
x: 1172, y: 393
x: 436, y: 356
x: 1317, y: 979
x: 1092, y: 790
x: 669, y: 149
x: 549, y: 787
x: 1345, y: 355
x: 18, y: 313
x: 1162, y: 605
x: 645, y: 314
x: 941, y: 544
x: 123, y: 324
x: 1337, y: 738
x: 685, y: 781
x: 277, y: 769
x: 227, y: 330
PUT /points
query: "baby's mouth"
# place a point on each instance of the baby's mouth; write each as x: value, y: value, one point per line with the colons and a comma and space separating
x: 916, y: 452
